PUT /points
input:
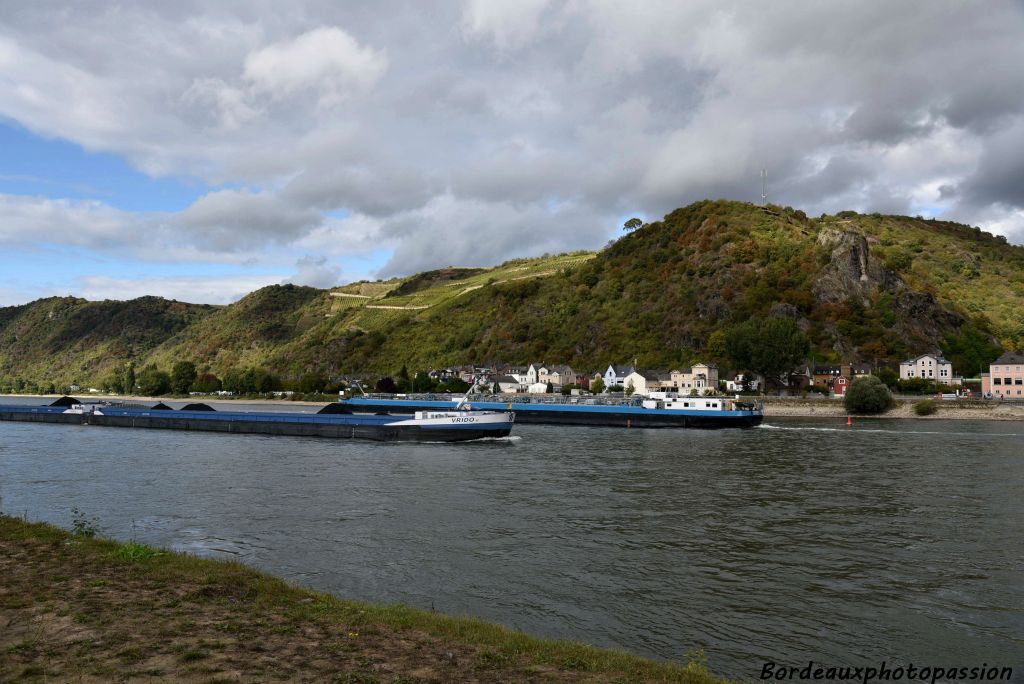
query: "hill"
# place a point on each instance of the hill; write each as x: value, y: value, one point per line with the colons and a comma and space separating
x: 66, y: 339
x: 863, y: 287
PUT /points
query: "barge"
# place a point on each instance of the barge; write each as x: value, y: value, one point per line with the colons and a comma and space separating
x: 425, y: 425
x: 660, y: 410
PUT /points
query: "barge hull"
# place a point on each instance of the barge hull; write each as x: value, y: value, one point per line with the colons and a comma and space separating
x: 600, y: 416
x: 381, y: 432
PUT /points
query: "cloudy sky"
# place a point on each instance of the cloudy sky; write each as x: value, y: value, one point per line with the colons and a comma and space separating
x: 200, y: 150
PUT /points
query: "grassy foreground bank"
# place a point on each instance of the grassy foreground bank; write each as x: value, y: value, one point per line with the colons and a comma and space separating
x: 82, y: 609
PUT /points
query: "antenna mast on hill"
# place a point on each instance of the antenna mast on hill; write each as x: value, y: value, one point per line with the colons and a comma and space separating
x: 764, y: 187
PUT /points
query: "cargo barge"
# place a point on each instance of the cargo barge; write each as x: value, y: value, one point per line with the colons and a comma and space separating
x: 657, y: 411
x: 427, y: 425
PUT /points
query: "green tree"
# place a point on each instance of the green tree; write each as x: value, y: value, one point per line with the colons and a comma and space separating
x: 255, y: 381
x: 129, y: 378
x: 311, y: 382
x: 888, y: 376
x: 207, y: 383
x: 386, y: 385
x: 772, y: 347
x: 183, y: 374
x: 404, y: 383
x: 971, y: 352
x: 630, y: 389
x: 597, y: 385
x: 715, y: 347
x: 233, y: 381
x: 422, y: 382
x: 455, y: 386
x: 112, y: 383
x: 868, y: 395
x: 632, y: 224
x: 153, y: 382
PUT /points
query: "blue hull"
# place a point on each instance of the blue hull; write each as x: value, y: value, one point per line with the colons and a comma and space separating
x: 343, y: 426
x: 576, y: 414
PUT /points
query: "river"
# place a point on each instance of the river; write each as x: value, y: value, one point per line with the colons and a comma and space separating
x: 896, y: 541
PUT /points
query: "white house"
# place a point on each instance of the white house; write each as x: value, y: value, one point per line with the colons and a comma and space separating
x: 508, y: 384
x: 534, y: 372
x: 616, y: 375
x: 735, y: 382
x: 929, y: 367
x: 517, y: 372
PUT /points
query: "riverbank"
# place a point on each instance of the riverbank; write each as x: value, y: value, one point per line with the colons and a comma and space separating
x: 945, y: 410
x: 78, y: 608
x: 797, y: 407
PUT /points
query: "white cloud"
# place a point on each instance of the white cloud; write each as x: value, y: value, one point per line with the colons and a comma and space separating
x: 326, y: 58
x: 193, y: 289
x: 231, y: 220
x: 530, y: 126
x: 452, y: 232
x: 507, y: 24
x: 32, y: 220
x: 315, y: 272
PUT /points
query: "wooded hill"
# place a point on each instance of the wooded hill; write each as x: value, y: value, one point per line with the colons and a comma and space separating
x: 863, y: 287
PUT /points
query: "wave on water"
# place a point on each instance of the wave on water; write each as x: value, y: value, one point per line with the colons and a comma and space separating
x: 805, y: 428
x: 479, y: 440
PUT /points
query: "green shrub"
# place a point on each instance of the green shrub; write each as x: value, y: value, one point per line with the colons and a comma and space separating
x: 899, y: 259
x: 82, y: 525
x: 868, y: 395
x: 926, y: 407
x: 134, y: 552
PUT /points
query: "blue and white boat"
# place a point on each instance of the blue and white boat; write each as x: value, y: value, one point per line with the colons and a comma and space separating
x: 659, y: 410
x: 334, y: 420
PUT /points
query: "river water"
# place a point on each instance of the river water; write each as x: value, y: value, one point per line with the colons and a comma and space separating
x: 896, y: 541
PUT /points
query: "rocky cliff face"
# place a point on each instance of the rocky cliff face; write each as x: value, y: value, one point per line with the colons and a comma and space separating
x: 853, y: 275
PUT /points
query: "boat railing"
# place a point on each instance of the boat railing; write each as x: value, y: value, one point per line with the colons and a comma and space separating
x: 573, y: 400
x: 582, y: 400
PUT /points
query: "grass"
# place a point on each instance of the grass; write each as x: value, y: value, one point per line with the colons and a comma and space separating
x: 436, y: 295
x: 85, y: 607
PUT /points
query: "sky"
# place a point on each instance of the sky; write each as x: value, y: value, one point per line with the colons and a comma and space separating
x: 198, y: 150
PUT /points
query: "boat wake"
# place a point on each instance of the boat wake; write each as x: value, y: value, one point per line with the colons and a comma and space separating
x: 509, y: 439
x: 798, y: 428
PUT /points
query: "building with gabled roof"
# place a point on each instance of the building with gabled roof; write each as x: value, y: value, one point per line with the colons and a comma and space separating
x: 929, y: 367
x: 1005, y: 377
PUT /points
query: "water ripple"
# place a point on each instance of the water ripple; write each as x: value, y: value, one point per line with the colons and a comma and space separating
x: 799, y: 540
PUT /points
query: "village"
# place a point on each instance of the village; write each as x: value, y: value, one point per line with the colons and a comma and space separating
x: 926, y: 373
